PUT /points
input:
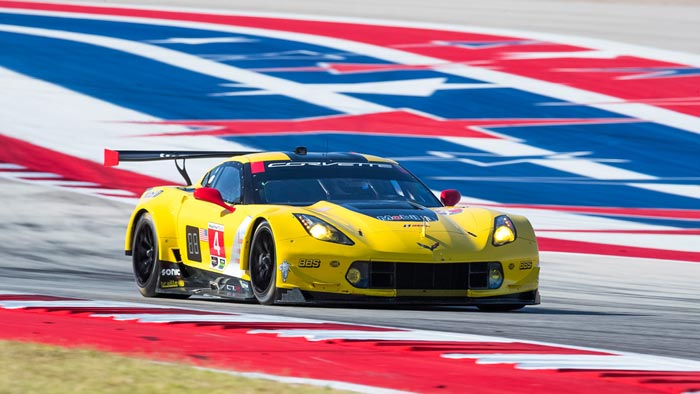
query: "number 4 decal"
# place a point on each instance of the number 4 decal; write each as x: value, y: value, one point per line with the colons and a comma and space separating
x: 217, y: 246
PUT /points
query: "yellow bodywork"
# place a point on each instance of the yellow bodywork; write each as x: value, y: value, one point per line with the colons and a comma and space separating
x: 464, y: 235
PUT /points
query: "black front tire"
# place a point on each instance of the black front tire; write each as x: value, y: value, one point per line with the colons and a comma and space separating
x: 263, y: 264
x: 145, y: 256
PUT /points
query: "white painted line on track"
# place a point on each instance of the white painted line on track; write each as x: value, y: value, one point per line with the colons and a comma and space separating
x: 30, y: 174
x: 627, y: 362
x: 10, y: 166
x: 214, y: 318
x: 405, y: 335
x: 74, y: 304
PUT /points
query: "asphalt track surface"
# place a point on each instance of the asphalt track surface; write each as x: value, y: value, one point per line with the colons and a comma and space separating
x: 62, y: 243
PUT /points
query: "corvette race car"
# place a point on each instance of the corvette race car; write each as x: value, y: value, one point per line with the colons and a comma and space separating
x: 300, y: 227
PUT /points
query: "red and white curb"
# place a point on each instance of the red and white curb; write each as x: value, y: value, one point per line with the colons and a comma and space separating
x: 361, y: 358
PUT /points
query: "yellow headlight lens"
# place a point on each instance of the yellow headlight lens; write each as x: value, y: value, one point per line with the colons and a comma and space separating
x: 503, y: 235
x: 322, y: 230
x: 319, y: 231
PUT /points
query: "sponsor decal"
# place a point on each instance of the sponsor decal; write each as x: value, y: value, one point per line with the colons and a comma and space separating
x: 169, y: 284
x: 218, y: 263
x: 327, y: 164
x: 284, y: 269
x: 309, y: 263
x: 192, y: 235
x: 405, y: 218
x: 170, y: 272
x: 525, y: 265
x: 217, y: 248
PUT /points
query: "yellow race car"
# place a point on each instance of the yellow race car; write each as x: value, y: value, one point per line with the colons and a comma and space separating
x: 300, y: 227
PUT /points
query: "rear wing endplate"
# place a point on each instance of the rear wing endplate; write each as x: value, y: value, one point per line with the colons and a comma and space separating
x: 114, y: 157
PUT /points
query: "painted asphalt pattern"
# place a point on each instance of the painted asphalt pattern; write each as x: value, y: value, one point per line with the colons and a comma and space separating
x: 599, y: 190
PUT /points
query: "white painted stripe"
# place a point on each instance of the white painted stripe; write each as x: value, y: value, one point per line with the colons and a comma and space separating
x: 561, y: 55
x: 592, y: 169
x: 509, y: 148
x: 74, y: 304
x: 29, y: 174
x: 116, y: 192
x: 213, y: 318
x: 623, y: 361
x: 399, y: 335
x: 202, y: 41
x: 63, y: 183
x: 10, y: 166
x: 692, y: 191
x: 307, y: 93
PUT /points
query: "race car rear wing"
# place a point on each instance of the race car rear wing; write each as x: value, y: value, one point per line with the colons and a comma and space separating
x: 114, y: 157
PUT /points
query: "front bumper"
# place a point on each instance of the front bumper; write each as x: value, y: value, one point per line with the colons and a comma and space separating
x: 296, y: 296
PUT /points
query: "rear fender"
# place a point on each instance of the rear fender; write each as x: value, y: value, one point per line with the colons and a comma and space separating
x: 164, y: 209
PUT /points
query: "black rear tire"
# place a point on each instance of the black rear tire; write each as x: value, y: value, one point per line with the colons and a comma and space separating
x: 263, y: 264
x: 500, y: 308
x: 144, y: 255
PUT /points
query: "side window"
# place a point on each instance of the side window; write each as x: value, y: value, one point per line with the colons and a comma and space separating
x: 228, y: 182
x: 209, y: 178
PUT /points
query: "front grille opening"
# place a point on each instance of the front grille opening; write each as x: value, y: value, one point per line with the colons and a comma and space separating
x: 428, y: 276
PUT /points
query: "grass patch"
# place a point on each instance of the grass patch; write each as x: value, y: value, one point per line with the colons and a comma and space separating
x: 35, y: 368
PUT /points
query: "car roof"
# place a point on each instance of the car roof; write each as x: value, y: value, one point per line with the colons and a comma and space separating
x: 311, y: 156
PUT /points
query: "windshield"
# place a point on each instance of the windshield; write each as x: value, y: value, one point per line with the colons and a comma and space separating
x: 305, y: 183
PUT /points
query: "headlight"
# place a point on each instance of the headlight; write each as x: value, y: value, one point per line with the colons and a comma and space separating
x: 503, y: 231
x: 322, y: 230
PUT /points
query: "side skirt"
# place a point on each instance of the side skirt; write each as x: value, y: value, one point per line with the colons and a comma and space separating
x: 180, y: 279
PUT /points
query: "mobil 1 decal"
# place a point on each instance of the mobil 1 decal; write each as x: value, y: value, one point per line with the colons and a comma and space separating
x: 193, y: 251
x: 217, y: 249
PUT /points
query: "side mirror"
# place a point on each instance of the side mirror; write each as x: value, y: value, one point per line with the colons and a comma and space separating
x: 450, y: 197
x: 209, y: 194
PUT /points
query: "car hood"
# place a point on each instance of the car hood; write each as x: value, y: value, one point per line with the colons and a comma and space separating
x: 391, y: 224
x: 399, y: 222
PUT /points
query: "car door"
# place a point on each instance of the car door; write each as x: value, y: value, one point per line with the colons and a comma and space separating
x: 206, y: 230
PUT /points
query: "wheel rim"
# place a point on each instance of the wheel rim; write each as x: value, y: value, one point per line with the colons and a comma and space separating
x: 263, y: 262
x: 144, y: 255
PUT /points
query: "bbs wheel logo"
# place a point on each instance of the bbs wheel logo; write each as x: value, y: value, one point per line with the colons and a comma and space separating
x: 309, y: 263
